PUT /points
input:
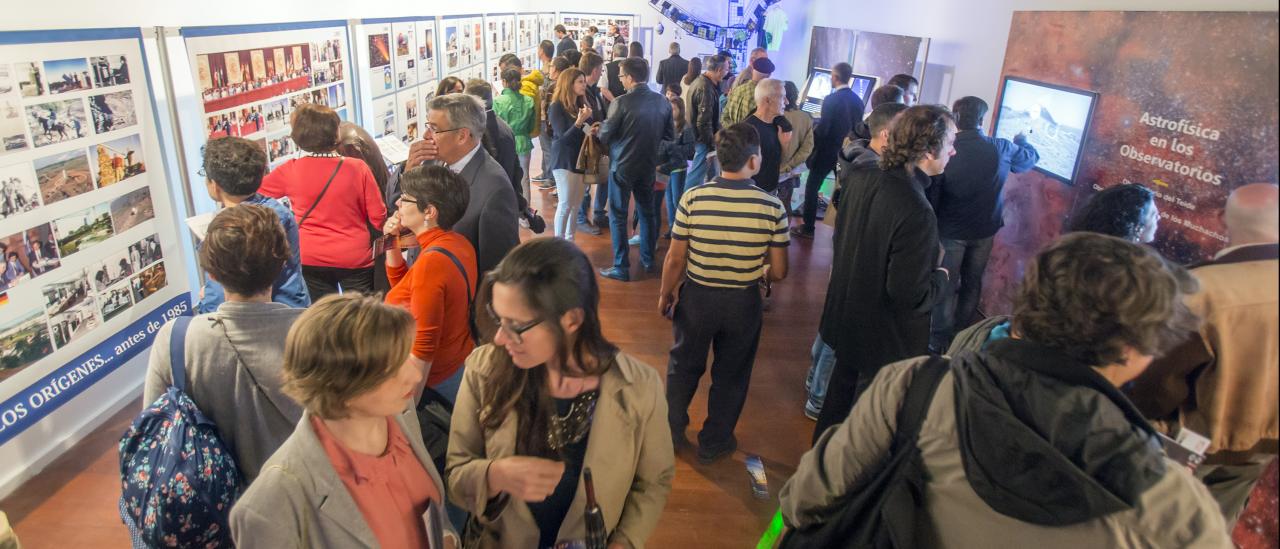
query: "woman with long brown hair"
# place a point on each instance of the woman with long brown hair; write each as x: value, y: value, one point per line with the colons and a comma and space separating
x: 548, y: 398
x: 450, y: 84
x: 569, y: 116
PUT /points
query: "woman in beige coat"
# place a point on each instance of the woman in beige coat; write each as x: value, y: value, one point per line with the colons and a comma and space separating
x: 548, y: 398
x: 355, y: 472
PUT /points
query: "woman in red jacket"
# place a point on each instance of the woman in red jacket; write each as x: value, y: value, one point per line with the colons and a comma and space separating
x: 336, y: 201
x: 439, y: 288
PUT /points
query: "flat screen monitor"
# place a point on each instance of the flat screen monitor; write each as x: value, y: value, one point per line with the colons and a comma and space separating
x: 1054, y: 118
x: 862, y: 85
x: 816, y: 88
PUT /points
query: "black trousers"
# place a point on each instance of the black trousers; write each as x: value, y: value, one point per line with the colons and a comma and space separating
x: 812, y: 185
x: 727, y: 321
x: 322, y: 281
x: 844, y: 388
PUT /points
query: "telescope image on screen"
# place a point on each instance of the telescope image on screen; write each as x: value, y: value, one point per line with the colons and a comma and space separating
x: 862, y: 86
x: 816, y: 88
x: 1055, y: 120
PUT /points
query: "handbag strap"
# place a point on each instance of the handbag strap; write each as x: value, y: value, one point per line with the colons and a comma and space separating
x: 322, y: 191
x: 178, y: 352
x: 471, y: 309
x: 915, y: 404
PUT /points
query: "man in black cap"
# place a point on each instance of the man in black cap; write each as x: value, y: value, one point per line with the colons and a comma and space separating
x: 742, y: 100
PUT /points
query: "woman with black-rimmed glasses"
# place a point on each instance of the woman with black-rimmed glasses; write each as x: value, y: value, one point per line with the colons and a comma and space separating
x: 548, y: 397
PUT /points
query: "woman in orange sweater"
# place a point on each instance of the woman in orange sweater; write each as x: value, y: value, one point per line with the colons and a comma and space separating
x: 439, y: 288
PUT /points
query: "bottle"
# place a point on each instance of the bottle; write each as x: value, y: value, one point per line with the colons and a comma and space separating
x: 597, y: 538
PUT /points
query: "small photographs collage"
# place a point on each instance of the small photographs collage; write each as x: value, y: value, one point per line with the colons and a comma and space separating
x: 77, y: 302
x: 251, y: 93
x: 401, y: 62
x: 578, y: 25
x: 463, y: 43
x: 43, y: 103
x: 501, y: 32
x: 526, y: 32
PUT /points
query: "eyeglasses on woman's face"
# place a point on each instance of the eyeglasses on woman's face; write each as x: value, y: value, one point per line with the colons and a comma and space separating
x: 515, y: 331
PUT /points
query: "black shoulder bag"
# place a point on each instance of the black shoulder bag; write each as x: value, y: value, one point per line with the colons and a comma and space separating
x: 883, y: 514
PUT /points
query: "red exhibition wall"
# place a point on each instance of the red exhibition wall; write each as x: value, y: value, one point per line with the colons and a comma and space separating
x: 1186, y: 107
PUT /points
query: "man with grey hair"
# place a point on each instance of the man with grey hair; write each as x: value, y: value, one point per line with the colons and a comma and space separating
x: 500, y: 142
x: 455, y: 126
x: 612, y: 74
x: 702, y: 108
x: 672, y: 69
x: 774, y: 129
x: 1221, y: 383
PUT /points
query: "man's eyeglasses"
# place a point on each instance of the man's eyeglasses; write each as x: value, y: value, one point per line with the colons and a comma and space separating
x: 433, y: 129
x: 514, y: 331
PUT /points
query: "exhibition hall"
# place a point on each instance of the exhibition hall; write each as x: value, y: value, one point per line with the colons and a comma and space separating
x: 623, y: 273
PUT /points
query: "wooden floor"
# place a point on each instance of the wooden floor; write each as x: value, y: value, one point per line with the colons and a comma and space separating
x: 73, y: 502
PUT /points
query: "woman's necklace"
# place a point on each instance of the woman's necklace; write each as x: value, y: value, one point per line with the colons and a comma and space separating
x: 333, y: 154
x: 573, y: 426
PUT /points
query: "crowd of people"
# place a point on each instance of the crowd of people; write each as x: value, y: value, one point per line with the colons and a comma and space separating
x: 1044, y: 428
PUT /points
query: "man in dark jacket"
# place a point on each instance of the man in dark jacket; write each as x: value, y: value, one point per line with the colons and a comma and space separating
x: 565, y: 43
x: 637, y: 122
x: 886, y: 275
x: 672, y: 69
x: 968, y: 202
x: 500, y: 142
x: 840, y: 111
x: 702, y: 108
x: 592, y: 67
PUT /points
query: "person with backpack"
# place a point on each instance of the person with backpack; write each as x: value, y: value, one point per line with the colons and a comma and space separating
x: 440, y: 286
x: 354, y: 473
x: 232, y: 355
x: 1027, y: 442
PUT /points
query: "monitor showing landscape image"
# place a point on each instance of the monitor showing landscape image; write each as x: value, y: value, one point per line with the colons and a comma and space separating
x: 1054, y: 118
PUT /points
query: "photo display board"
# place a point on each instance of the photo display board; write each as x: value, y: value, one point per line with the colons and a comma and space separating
x: 248, y: 80
x: 399, y: 65
x: 500, y: 36
x: 90, y: 267
x: 578, y: 24
x: 462, y: 46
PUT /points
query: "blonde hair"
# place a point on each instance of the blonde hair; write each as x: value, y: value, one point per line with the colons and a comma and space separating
x: 564, y: 90
x: 343, y: 346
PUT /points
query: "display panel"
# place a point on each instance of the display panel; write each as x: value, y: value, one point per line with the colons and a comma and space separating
x: 88, y: 239
x: 1055, y: 120
x: 863, y: 85
x: 578, y: 25
x: 400, y: 58
x: 816, y: 88
x: 250, y: 82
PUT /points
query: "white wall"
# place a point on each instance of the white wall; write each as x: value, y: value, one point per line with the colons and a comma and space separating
x: 970, y: 37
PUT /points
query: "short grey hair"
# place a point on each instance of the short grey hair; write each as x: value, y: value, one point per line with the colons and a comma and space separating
x: 463, y: 111
x: 715, y: 63
x: 674, y: 48
x: 769, y: 87
x: 619, y: 50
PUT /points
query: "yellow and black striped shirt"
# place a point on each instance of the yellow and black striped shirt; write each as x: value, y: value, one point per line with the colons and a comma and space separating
x: 730, y: 226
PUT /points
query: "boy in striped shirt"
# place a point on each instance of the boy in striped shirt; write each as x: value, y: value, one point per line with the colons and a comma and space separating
x: 729, y: 236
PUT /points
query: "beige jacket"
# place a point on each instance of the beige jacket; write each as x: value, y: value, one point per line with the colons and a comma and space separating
x: 1176, y: 512
x: 1224, y: 383
x: 298, y: 500
x: 629, y: 453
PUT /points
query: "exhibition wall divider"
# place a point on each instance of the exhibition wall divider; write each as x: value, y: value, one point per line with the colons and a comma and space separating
x: 92, y: 264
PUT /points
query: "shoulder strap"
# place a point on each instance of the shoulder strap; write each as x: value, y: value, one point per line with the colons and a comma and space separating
x: 322, y: 191
x: 178, y: 352
x: 471, y: 306
x: 915, y: 405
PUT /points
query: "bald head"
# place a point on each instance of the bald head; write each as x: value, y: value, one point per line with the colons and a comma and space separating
x: 1252, y: 215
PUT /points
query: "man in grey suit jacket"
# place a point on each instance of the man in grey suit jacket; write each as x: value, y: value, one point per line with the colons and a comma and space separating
x: 455, y: 126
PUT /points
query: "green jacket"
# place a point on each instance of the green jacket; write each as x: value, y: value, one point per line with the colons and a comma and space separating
x: 517, y: 111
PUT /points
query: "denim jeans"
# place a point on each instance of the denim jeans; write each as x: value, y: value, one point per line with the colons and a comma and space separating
x: 599, y: 212
x: 620, y: 193
x: 524, y: 182
x: 701, y: 168
x: 815, y: 383
x: 966, y: 260
x: 675, y: 189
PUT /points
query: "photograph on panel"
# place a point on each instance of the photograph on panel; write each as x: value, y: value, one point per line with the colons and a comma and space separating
x: 129, y: 210
x: 24, y: 339
x: 112, y: 111
x: 67, y: 75
x: 119, y: 159
x: 19, y: 192
x: 63, y: 175
x: 82, y: 229
x: 109, y: 70
x: 57, y: 121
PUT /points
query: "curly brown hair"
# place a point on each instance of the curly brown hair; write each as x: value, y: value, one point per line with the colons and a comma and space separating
x: 245, y: 249
x: 1090, y: 295
x: 918, y: 131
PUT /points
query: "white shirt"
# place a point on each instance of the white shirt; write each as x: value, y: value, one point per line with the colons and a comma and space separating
x: 457, y: 167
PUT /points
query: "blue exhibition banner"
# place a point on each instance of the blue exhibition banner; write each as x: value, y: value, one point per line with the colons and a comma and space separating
x: 41, y: 398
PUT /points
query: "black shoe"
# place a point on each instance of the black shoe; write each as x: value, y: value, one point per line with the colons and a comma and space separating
x: 589, y: 229
x: 536, y: 223
x: 679, y: 441
x: 649, y: 268
x: 616, y: 274
x: 707, y: 457
x: 801, y: 232
x: 602, y: 222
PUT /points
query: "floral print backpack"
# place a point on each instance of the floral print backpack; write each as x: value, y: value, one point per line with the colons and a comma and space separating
x: 178, y: 478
